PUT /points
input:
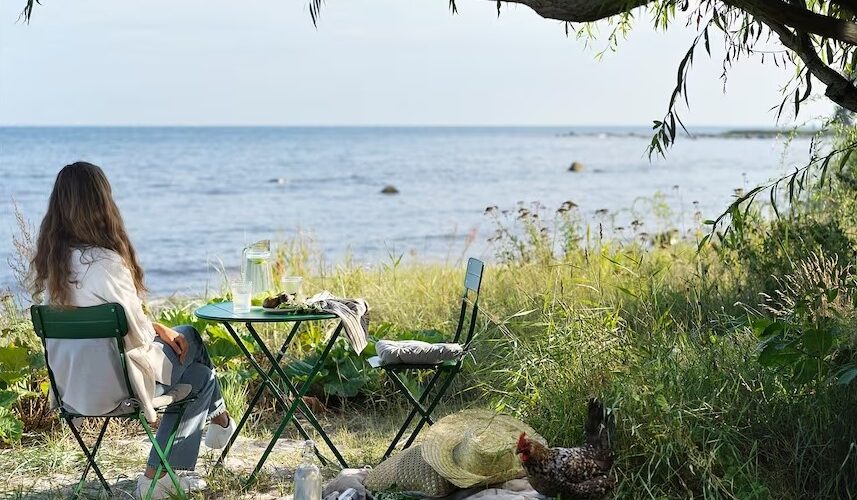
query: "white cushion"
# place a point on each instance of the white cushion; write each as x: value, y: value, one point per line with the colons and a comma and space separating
x: 416, y: 352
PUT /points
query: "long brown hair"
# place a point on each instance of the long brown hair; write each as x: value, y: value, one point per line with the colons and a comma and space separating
x: 81, y: 213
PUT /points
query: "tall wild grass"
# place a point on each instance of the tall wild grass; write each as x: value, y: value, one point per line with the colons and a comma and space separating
x: 662, y: 331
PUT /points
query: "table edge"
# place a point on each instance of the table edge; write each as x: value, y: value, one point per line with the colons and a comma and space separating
x: 279, y: 318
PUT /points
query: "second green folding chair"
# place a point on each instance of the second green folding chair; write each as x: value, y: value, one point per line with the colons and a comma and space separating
x: 442, y: 372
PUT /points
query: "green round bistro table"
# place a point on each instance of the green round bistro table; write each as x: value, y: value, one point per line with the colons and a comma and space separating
x: 290, y: 398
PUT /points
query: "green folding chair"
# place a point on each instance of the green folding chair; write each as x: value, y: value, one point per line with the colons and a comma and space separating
x: 102, y: 322
x: 445, y: 371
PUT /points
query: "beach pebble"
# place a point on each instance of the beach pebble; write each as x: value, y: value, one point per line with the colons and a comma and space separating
x: 576, y: 167
x: 389, y: 189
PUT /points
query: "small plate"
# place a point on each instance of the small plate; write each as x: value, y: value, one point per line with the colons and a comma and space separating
x: 279, y: 310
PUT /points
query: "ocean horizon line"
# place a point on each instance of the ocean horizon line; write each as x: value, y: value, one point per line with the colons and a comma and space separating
x: 386, y: 126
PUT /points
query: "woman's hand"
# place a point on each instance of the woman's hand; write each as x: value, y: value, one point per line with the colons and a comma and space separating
x: 173, y: 339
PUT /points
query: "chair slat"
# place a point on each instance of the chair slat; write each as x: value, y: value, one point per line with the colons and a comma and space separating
x: 95, y: 322
x: 473, y: 276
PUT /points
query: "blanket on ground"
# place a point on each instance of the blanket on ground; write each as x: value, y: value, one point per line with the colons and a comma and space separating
x: 516, y: 489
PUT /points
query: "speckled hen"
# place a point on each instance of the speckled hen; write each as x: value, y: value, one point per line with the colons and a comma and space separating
x: 573, y: 473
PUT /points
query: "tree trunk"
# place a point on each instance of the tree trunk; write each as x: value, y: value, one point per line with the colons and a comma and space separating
x: 580, y: 10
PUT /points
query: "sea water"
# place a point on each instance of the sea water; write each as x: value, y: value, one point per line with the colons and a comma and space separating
x: 192, y: 198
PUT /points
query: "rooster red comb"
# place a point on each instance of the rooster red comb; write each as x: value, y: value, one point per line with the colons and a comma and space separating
x: 522, y: 439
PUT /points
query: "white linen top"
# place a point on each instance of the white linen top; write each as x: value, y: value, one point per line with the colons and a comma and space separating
x: 87, y: 371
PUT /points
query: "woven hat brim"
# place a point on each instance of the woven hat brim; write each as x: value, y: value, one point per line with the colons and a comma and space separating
x: 401, y: 471
x: 442, y: 438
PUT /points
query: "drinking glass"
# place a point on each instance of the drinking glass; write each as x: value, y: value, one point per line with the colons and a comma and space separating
x: 242, y: 292
x: 291, y: 284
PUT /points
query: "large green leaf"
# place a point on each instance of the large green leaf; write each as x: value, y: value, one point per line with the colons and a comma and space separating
x: 817, y: 342
x: 11, y: 427
x: 300, y: 370
x: 759, y: 326
x: 807, y: 370
x: 771, y: 329
x: 847, y: 374
x: 8, y: 398
x: 221, y: 345
x: 777, y: 353
x: 14, y: 363
x: 345, y: 384
x: 430, y: 336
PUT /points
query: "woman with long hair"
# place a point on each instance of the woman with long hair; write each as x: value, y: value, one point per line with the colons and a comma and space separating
x: 83, y: 258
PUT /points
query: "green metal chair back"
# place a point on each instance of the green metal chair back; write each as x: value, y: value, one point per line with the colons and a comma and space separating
x: 472, y: 284
x: 103, y: 321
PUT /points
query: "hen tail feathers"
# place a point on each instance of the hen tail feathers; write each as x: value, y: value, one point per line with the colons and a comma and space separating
x: 600, y: 426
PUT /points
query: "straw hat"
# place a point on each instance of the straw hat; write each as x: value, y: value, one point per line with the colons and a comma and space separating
x: 475, y: 447
x: 408, y: 471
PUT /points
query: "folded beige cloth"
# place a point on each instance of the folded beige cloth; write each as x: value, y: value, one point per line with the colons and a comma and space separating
x: 348, y: 478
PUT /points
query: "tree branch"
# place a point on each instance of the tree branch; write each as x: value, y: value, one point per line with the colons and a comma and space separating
x: 839, y: 89
x: 799, y: 18
x: 784, y: 13
x: 850, y: 5
x: 580, y: 10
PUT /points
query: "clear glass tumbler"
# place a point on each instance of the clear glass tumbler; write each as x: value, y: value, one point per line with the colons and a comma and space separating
x: 291, y: 284
x: 242, y: 293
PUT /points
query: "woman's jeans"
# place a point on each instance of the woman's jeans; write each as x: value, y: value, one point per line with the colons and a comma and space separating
x: 199, y: 373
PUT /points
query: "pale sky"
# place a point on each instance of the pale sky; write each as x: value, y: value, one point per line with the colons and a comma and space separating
x: 370, y: 62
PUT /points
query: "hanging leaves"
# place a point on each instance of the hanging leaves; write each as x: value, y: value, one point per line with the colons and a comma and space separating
x: 27, y: 13
x: 665, y: 130
x: 798, y: 182
x: 315, y: 11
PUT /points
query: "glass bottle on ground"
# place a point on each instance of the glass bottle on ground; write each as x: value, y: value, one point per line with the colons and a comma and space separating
x: 308, y: 476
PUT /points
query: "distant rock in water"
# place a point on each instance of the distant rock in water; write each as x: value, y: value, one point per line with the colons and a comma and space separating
x: 576, y: 166
x: 389, y: 189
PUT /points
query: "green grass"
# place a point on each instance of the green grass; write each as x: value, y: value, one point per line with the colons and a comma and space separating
x: 46, y: 465
x: 660, y: 334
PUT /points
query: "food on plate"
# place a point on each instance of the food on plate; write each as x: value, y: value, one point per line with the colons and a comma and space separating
x: 280, y: 301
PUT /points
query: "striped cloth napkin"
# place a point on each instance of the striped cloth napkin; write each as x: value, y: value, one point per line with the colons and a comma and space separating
x: 354, y: 314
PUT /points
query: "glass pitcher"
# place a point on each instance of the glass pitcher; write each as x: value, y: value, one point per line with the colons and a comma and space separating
x: 256, y: 267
